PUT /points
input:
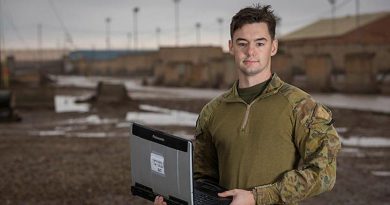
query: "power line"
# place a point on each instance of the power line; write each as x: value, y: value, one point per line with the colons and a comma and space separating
x: 2, y: 41
x: 198, y: 26
x: 177, y: 24
x: 18, y: 34
x: 108, y: 21
x: 135, y: 26
x: 9, y: 19
x: 325, y: 12
x: 68, y: 36
x: 345, y: 2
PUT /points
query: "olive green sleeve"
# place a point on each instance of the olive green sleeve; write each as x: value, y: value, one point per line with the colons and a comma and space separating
x: 205, y: 155
x: 318, y: 144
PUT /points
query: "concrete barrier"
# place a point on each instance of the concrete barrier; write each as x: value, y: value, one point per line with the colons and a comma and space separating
x: 111, y: 93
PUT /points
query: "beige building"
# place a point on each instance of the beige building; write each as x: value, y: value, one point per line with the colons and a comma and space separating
x: 367, y: 34
x: 169, y: 66
x: 34, y: 55
x: 194, y: 67
x: 140, y: 63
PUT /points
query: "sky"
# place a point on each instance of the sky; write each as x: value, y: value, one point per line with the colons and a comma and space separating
x: 81, y: 24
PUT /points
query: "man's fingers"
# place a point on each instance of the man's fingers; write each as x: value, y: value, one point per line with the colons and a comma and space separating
x: 227, y: 193
x: 159, y: 200
x: 156, y: 201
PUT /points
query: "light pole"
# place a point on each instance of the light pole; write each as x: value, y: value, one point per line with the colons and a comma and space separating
x: 1, y: 37
x: 177, y: 29
x: 108, y: 20
x: 128, y: 41
x: 197, y: 26
x: 333, y: 2
x: 359, y: 39
x: 158, y: 31
x: 220, y: 22
x: 68, y: 40
x: 135, y: 12
x: 39, y: 38
x: 1, y: 44
x: 357, y: 13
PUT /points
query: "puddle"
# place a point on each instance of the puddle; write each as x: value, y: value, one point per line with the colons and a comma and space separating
x: 96, y: 134
x: 54, y: 133
x: 381, y: 173
x: 48, y: 133
x: 151, y: 108
x: 341, y: 129
x: 376, y: 103
x: 162, y: 116
x: 363, y: 141
x: 71, y: 128
x: 92, y: 119
x: 88, y: 135
x: 76, y: 81
x: 352, y: 152
x: 68, y: 104
x: 123, y: 125
x: 153, y: 115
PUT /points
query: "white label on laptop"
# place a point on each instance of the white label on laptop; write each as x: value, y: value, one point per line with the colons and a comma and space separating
x: 157, y: 163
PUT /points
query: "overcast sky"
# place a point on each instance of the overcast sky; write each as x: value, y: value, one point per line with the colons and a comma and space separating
x: 84, y: 20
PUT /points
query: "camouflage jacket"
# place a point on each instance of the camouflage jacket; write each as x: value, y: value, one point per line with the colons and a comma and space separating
x: 282, y: 146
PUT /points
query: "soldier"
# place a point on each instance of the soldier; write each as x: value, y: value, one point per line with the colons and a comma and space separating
x: 266, y: 141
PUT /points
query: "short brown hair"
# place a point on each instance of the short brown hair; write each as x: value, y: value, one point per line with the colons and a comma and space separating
x: 255, y: 14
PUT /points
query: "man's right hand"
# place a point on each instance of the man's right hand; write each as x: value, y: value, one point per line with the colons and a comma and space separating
x: 159, y: 200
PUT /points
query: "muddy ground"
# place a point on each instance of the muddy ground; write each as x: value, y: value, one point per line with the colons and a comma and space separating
x: 41, y: 166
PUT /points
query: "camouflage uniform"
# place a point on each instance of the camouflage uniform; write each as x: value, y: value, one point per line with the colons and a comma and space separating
x: 282, y: 146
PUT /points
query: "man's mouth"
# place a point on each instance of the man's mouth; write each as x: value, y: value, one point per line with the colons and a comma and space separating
x: 250, y: 61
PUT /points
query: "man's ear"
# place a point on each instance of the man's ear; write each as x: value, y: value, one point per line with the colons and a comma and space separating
x: 274, y: 47
x: 231, y: 47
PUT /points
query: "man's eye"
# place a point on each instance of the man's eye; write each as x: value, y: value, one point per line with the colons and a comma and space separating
x: 242, y: 44
x: 260, y: 44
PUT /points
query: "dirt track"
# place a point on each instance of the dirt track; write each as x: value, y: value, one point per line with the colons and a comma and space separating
x: 45, y: 168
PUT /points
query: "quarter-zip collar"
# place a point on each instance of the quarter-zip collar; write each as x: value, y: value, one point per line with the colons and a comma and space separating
x: 233, y: 97
x: 273, y: 87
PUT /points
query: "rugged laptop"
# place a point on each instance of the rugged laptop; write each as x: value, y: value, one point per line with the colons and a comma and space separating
x: 161, y: 164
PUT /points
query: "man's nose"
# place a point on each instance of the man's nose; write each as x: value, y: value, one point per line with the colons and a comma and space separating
x: 251, y: 50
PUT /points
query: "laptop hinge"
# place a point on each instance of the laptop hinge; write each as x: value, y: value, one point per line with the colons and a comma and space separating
x: 143, y: 191
x: 175, y: 201
x: 147, y: 193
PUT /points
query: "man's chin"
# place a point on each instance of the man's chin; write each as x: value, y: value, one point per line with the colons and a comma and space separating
x: 250, y: 72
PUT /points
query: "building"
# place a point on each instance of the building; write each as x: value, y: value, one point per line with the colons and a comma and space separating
x: 34, y: 55
x: 206, y: 66
x: 334, y: 42
x: 22, y: 61
x: 113, y: 62
x: 192, y: 66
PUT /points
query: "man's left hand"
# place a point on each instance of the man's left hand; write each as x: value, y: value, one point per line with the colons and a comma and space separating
x: 240, y: 196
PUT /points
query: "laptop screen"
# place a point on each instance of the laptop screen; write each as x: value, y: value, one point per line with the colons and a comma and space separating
x: 161, y: 164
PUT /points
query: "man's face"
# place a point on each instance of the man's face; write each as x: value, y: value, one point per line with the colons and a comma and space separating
x: 252, y: 48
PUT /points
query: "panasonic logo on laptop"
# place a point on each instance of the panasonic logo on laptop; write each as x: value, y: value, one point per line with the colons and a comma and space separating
x: 158, y: 138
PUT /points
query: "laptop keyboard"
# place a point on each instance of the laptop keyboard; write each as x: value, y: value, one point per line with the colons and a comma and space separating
x: 201, y: 198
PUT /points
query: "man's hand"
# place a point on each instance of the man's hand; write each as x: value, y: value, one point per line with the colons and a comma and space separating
x: 159, y: 200
x: 239, y: 197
